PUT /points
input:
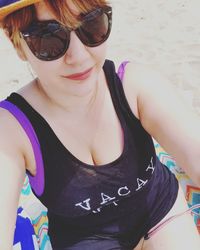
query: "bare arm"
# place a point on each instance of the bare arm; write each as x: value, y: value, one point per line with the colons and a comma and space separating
x: 12, y: 173
x: 165, y: 116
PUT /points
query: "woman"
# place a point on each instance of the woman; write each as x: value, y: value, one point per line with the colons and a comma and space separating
x: 97, y: 171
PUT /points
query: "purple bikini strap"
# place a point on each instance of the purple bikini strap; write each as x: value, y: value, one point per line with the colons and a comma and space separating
x: 37, y: 182
x: 121, y: 70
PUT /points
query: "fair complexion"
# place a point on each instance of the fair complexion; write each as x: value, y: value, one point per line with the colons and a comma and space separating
x: 55, y: 85
x: 152, y: 98
x: 175, y: 126
x: 84, y: 109
x: 165, y: 116
x: 168, y: 120
x: 61, y: 96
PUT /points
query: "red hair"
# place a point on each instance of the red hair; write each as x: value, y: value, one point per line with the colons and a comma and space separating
x: 18, y: 20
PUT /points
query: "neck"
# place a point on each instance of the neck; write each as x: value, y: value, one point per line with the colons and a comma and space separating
x: 77, y: 100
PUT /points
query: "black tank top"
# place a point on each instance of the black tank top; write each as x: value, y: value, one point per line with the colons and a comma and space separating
x: 122, y: 199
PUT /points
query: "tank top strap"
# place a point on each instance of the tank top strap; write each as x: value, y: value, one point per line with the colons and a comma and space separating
x: 114, y: 78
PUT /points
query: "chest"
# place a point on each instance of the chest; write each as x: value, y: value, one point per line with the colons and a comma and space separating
x: 96, y: 139
x: 85, y: 188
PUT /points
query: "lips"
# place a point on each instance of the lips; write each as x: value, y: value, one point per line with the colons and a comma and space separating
x: 79, y: 76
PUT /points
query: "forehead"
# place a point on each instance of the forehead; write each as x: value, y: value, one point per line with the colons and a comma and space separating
x: 44, y: 13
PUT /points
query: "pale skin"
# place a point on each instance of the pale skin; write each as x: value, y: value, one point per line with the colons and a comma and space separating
x: 66, y: 104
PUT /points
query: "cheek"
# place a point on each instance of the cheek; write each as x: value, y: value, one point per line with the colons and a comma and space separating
x: 98, y: 53
x: 44, y: 70
x: 39, y: 67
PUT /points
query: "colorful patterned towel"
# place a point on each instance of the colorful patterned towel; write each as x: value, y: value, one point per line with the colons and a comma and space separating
x: 24, y: 238
x: 31, y: 231
x: 192, y: 192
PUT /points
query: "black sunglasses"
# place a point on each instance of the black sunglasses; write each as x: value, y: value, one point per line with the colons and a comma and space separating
x: 49, y: 40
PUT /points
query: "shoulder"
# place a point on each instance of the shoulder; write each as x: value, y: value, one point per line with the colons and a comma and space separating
x: 141, y: 83
x: 139, y: 76
x: 14, y: 144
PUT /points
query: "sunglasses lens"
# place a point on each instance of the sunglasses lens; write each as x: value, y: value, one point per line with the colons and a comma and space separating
x: 47, y: 40
x: 95, y: 28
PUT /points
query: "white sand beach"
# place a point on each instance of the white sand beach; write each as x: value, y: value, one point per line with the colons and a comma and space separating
x: 165, y: 34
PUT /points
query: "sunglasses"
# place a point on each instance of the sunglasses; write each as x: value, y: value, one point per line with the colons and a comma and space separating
x: 49, y: 40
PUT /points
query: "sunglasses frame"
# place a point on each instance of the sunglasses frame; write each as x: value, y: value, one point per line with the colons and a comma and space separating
x: 27, y: 33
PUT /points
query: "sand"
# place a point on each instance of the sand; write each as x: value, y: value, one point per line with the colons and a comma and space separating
x: 163, y: 34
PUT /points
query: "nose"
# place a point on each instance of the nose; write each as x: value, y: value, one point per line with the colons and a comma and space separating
x: 77, y: 51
